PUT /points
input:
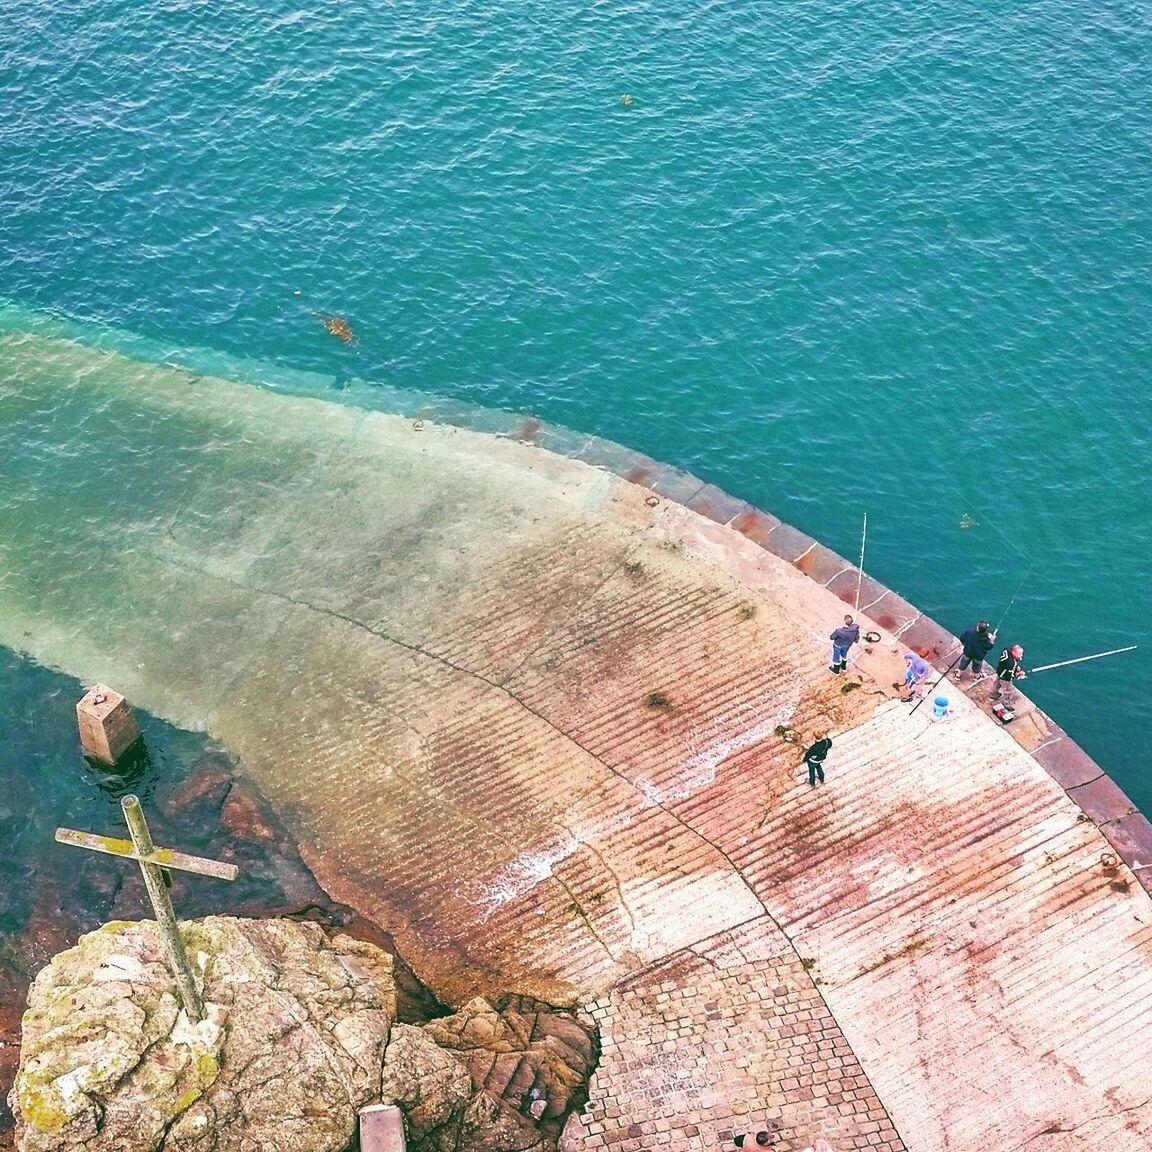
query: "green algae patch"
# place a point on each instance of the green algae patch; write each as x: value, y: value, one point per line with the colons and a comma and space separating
x: 40, y: 1105
x: 206, y: 1068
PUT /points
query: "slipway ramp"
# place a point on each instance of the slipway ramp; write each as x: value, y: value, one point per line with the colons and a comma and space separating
x: 540, y: 721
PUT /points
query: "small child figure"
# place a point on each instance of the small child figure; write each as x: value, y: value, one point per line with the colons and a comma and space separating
x: 917, y: 670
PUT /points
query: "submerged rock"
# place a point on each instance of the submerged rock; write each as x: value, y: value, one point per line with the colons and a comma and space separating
x: 292, y: 1044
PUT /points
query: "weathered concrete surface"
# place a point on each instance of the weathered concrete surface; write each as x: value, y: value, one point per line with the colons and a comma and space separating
x: 525, y: 713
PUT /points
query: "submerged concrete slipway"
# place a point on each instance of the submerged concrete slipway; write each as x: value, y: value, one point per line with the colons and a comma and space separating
x: 535, y: 712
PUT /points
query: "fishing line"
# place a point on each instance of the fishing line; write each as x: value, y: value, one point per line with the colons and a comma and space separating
x: 1019, y: 589
x: 1007, y: 540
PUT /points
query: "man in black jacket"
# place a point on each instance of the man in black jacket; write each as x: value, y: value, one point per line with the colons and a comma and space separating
x: 977, y: 643
x: 1009, y: 669
x: 814, y: 757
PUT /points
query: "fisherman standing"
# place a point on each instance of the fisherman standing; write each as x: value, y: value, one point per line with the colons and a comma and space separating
x: 814, y: 757
x: 1008, y: 669
x: 977, y: 643
x: 843, y: 639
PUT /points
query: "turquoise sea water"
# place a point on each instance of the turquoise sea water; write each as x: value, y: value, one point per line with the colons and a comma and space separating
x: 834, y: 257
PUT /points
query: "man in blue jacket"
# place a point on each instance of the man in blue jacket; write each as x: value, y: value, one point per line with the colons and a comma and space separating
x: 843, y: 639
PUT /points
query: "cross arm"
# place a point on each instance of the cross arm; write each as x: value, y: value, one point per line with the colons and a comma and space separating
x: 161, y: 857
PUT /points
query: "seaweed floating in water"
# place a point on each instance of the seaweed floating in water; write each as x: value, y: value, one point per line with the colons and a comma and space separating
x: 339, y: 327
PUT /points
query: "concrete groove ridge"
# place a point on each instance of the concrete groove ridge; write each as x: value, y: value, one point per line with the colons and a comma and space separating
x: 441, y: 656
x: 931, y: 858
x: 922, y: 892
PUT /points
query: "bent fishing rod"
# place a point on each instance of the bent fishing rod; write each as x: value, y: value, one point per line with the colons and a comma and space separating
x: 1030, y: 671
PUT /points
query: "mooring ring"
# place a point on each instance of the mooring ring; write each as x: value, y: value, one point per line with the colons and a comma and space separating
x: 872, y: 637
x: 652, y: 501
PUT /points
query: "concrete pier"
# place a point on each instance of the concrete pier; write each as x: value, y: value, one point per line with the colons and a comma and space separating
x: 531, y: 710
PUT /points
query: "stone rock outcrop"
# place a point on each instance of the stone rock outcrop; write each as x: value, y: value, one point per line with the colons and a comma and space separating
x: 292, y: 1045
x: 492, y: 1078
x: 299, y: 1034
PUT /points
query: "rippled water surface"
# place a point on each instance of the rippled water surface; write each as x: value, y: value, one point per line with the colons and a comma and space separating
x: 835, y: 258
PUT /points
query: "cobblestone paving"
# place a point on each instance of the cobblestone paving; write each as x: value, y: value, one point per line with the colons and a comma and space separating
x: 731, y: 1036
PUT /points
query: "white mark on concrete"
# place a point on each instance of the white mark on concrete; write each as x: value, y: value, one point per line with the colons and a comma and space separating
x: 525, y: 872
x: 904, y: 627
x: 743, y: 729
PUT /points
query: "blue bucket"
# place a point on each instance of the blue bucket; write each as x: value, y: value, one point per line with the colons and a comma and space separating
x: 940, y: 706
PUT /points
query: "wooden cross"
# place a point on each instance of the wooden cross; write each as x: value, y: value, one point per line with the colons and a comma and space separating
x: 154, y: 864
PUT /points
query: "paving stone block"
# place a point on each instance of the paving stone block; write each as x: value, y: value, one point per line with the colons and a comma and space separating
x: 756, y: 525
x: 788, y: 543
x: 614, y: 458
x: 843, y: 584
x: 927, y: 634
x: 563, y: 441
x: 1131, y: 836
x: 666, y: 481
x: 891, y: 612
x: 717, y: 505
x: 1067, y: 763
x: 821, y: 564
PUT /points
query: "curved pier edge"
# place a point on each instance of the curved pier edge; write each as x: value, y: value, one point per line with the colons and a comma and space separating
x: 1100, y: 799
x: 1094, y: 792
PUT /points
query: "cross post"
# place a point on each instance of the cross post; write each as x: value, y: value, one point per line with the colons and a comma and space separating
x: 154, y: 864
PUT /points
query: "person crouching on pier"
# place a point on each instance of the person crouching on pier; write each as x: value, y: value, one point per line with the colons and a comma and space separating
x: 843, y: 639
x: 916, y: 671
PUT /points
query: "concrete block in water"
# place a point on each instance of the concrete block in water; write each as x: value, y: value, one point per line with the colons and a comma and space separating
x: 107, y: 727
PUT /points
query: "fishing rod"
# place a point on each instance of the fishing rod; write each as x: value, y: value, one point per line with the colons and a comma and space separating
x: 924, y: 696
x: 1081, y: 659
x: 1031, y: 671
x: 860, y: 566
